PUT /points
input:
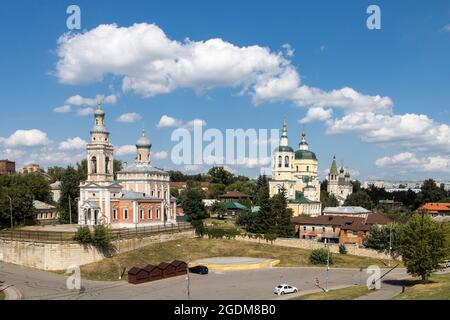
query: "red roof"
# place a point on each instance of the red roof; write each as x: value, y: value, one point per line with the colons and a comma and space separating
x: 234, y: 194
x: 431, y: 206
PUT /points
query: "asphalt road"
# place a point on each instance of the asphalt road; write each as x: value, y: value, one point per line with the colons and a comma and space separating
x: 241, y: 285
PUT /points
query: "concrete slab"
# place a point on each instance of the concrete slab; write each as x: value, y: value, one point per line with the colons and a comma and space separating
x: 235, y: 263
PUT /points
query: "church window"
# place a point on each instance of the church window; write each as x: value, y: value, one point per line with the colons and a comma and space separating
x: 140, y: 157
x: 115, y: 214
x: 125, y: 214
x: 323, y: 229
x: 107, y: 164
x: 157, y: 213
x: 159, y: 194
x: 165, y: 194
x: 307, y: 168
x: 286, y: 162
x: 150, y: 213
x: 94, y: 164
x: 280, y: 161
x: 297, y: 168
x: 313, y: 228
x: 141, y: 213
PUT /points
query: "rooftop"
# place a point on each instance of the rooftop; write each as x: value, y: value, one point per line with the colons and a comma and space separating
x: 436, y: 206
x: 234, y: 194
x: 346, y: 210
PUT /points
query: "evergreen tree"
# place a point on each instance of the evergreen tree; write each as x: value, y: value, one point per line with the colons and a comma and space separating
x: 264, y: 220
x: 423, y: 245
x: 283, y: 226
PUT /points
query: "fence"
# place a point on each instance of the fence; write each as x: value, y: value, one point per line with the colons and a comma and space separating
x: 60, y: 236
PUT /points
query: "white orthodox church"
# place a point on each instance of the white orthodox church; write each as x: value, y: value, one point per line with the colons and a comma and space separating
x: 140, y: 196
x: 296, y: 172
x: 339, y: 183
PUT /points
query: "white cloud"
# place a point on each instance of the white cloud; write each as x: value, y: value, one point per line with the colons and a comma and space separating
x: 150, y: 64
x: 256, y: 162
x: 84, y: 112
x: 167, y: 121
x: 317, y: 114
x: 409, y: 161
x: 125, y: 150
x: 78, y: 100
x: 408, y: 130
x: 160, y: 155
x: 194, y: 123
x: 289, y: 51
x: 446, y: 28
x: 26, y: 138
x: 63, y: 109
x: 72, y: 144
x: 129, y: 117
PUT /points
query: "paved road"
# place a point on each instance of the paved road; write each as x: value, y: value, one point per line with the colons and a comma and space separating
x: 245, y: 285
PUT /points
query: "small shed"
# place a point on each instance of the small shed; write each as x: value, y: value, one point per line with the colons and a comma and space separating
x: 181, y: 267
x: 154, y: 272
x: 137, y: 275
x: 168, y: 270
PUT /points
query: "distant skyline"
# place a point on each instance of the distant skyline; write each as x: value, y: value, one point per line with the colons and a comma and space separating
x: 377, y: 99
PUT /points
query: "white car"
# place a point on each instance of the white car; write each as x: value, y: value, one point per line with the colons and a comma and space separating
x: 284, y: 289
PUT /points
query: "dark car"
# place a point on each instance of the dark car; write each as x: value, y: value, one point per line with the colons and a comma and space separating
x: 199, y: 270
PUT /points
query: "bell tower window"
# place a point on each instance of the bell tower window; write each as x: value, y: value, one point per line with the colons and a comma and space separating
x: 286, y: 162
x: 280, y: 161
x: 94, y: 165
x: 107, y: 165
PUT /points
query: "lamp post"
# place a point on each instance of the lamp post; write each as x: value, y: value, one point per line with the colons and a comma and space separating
x: 187, y: 278
x: 390, y: 245
x: 328, y: 265
x: 11, y: 211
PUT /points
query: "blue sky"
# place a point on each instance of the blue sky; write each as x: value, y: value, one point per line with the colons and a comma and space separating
x: 405, y: 135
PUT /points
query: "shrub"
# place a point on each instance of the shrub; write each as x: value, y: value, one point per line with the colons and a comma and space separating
x: 83, y: 235
x: 270, y: 237
x: 342, y: 249
x: 319, y: 256
x: 199, y: 227
x: 102, y: 236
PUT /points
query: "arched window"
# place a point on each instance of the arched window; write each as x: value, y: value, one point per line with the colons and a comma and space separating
x: 107, y: 164
x: 307, y: 168
x: 280, y: 161
x: 140, y: 157
x: 94, y: 164
x: 286, y: 162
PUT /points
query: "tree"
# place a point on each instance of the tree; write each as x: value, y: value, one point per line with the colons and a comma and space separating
x: 56, y: 173
x: 328, y: 200
x: 430, y: 192
x: 219, y: 209
x: 265, y: 219
x: 283, y: 226
x: 220, y: 175
x: 376, y: 194
x: 381, y: 237
x: 83, y: 235
x: 356, y: 185
x: 359, y: 199
x: 102, y: 236
x: 70, y: 191
x: 217, y: 189
x: 191, y: 201
x: 423, y: 245
x: 324, y: 185
x: 321, y: 256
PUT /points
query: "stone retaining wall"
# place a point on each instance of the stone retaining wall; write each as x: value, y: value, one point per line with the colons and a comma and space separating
x: 59, y: 256
x: 311, y: 245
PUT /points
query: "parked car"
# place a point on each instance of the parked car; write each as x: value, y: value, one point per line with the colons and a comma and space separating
x: 199, y: 270
x: 284, y: 289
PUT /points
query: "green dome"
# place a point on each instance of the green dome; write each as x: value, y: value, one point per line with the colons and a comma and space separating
x: 305, y: 155
x: 284, y: 149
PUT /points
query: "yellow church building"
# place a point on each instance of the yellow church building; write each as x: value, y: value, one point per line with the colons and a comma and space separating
x: 296, y: 172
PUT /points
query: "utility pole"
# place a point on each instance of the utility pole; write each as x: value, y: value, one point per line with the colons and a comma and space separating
x: 70, y: 210
x: 328, y: 265
x: 390, y: 245
x: 11, y: 211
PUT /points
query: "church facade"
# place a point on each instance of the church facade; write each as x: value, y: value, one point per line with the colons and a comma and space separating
x: 138, y: 197
x: 296, y: 172
x: 339, y: 183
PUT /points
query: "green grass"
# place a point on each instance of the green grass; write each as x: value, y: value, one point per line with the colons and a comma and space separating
x: 192, y: 249
x: 2, y: 295
x: 349, y: 293
x: 437, y: 288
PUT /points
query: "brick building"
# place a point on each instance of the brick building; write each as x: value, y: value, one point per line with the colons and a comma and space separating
x: 7, y: 167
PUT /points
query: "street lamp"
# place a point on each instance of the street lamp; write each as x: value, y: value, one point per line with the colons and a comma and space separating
x: 328, y: 265
x: 11, y: 211
x: 187, y: 278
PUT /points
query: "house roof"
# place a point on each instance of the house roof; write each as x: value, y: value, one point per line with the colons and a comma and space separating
x: 185, y: 183
x: 234, y: 194
x: 131, y: 195
x: 134, y: 168
x: 177, y: 263
x: 346, y: 210
x: 39, y: 205
x: 378, y: 218
x: 164, y: 265
x: 134, y: 270
x: 432, y: 206
x: 300, y: 198
x: 150, y: 267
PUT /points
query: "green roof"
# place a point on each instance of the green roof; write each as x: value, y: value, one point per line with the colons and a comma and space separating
x: 305, y: 155
x: 236, y: 206
x: 333, y: 169
x: 300, y: 198
x: 284, y: 149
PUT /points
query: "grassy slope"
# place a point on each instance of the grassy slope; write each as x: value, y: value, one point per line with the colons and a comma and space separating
x: 438, y: 288
x: 349, y: 293
x: 192, y: 249
x: 2, y: 295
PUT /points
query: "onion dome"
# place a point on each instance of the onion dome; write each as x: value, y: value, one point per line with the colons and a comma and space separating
x: 143, y: 141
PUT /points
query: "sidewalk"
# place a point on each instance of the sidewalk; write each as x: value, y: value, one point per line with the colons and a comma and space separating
x: 11, y: 292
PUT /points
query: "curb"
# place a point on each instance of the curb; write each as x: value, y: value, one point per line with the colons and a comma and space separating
x: 249, y: 266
